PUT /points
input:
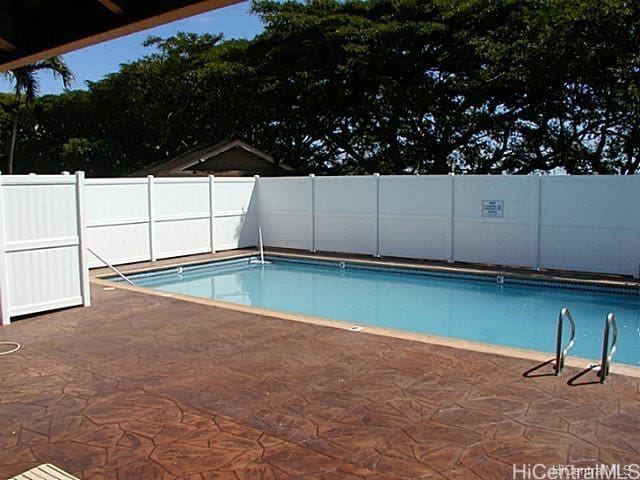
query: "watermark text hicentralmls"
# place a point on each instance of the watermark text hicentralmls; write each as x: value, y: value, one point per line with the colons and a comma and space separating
x: 600, y: 471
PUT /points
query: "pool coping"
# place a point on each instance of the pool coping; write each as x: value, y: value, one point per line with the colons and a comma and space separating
x: 521, y: 353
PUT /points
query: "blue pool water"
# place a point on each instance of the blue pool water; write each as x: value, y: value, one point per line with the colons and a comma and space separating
x: 514, y: 315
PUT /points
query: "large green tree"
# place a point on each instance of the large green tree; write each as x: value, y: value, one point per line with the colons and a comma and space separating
x: 26, y: 87
x: 477, y: 85
x: 363, y: 86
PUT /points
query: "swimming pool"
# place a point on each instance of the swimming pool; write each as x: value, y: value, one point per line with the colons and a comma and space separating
x: 517, y: 313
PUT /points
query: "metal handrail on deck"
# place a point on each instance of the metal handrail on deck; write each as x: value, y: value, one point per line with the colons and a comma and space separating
x: 261, y: 244
x: 607, y: 353
x: 118, y: 272
x: 561, y: 353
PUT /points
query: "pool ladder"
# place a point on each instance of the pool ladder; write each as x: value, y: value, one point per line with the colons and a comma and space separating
x: 608, y: 348
x: 561, y: 353
x: 610, y: 329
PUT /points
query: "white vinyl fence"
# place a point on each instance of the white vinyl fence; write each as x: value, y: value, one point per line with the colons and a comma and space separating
x: 589, y: 224
x: 42, y: 238
x: 140, y: 219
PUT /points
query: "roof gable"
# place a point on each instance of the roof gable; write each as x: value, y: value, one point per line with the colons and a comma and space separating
x: 189, y: 161
x: 218, y: 149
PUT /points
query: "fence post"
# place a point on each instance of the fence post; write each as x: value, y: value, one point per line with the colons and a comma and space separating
x: 636, y: 232
x: 312, y: 178
x: 82, y: 240
x: 377, y: 177
x: 5, y: 312
x: 537, y: 217
x: 212, y: 213
x: 257, y: 213
x: 152, y: 228
x: 452, y: 184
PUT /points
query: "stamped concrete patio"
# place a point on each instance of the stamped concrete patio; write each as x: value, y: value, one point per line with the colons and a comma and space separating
x: 147, y: 387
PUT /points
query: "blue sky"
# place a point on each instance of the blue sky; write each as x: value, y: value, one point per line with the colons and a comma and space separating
x: 92, y: 63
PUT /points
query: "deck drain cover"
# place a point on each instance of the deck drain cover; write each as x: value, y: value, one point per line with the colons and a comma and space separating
x: 46, y: 471
x: 355, y: 328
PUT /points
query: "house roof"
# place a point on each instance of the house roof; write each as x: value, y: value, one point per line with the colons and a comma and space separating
x: 198, y: 155
x: 32, y: 30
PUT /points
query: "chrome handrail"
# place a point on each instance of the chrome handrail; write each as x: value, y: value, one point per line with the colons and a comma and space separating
x: 607, y: 353
x: 261, y: 244
x: 118, y: 272
x: 560, y: 352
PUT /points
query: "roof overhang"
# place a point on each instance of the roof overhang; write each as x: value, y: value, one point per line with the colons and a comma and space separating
x: 32, y: 30
x: 215, y: 151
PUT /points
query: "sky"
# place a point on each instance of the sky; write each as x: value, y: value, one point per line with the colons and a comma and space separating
x: 93, y: 63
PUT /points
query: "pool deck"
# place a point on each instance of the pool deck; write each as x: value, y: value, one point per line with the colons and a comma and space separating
x: 142, y: 386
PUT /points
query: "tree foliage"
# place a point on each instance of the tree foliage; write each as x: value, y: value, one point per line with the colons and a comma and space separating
x: 355, y: 86
x: 26, y: 87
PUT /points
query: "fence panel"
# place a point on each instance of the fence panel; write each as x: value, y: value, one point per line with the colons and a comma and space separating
x: 572, y: 223
x: 182, y: 216
x: 118, y: 220
x: 41, y: 266
x: 590, y: 224
x: 415, y: 216
x: 345, y: 214
x: 285, y: 211
x: 141, y: 219
x: 495, y: 220
x: 236, y: 211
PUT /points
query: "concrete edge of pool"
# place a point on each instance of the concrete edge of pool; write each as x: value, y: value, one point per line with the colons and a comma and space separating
x: 534, y: 355
x: 593, y: 278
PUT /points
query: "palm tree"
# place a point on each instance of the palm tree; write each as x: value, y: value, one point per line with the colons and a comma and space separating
x: 27, y: 86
